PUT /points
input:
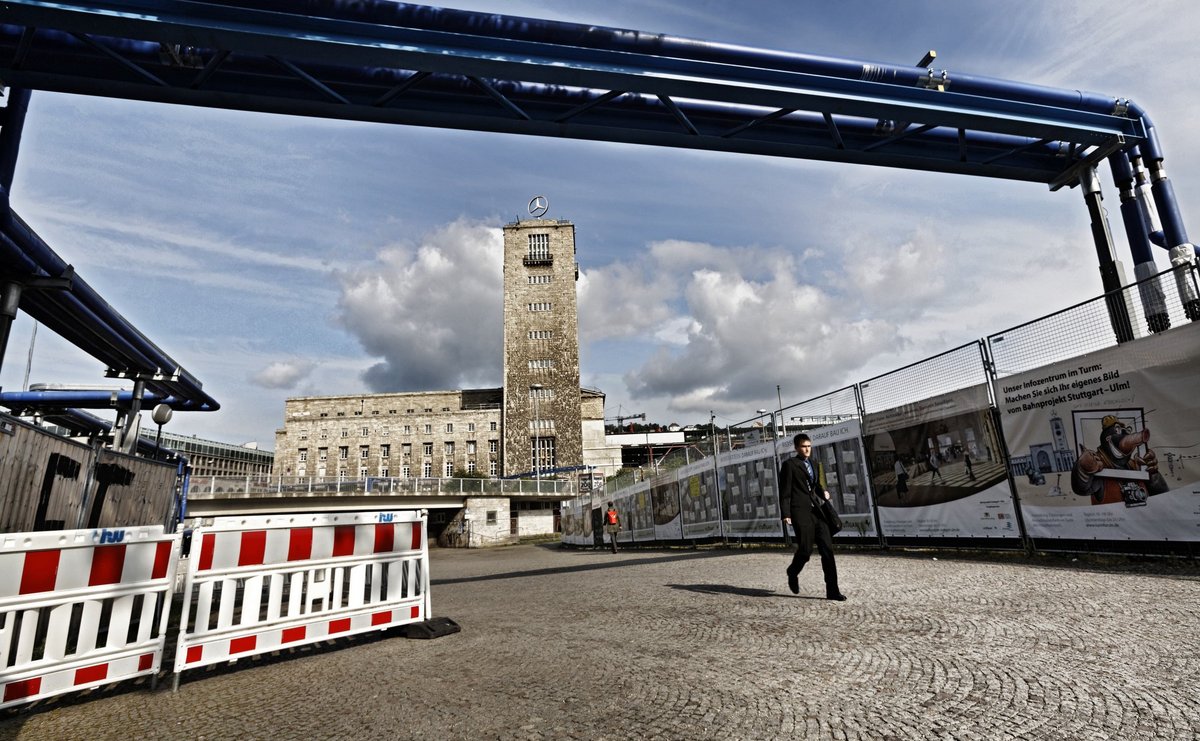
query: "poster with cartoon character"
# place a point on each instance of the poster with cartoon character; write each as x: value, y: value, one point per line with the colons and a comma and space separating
x: 1106, y: 446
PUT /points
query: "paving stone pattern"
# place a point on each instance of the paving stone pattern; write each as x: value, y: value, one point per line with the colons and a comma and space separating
x: 709, y: 644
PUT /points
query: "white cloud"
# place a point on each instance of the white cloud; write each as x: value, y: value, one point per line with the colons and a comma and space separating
x: 433, y: 312
x: 283, y: 374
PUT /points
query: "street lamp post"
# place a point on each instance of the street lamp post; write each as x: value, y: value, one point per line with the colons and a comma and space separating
x: 535, y: 391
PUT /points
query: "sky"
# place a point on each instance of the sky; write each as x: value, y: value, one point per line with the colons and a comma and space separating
x: 277, y: 256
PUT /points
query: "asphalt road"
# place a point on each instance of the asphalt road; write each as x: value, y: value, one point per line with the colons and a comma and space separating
x: 709, y: 644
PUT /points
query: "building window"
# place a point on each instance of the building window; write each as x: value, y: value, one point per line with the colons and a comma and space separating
x: 539, y: 279
x: 385, y: 451
x: 493, y: 446
x: 539, y: 247
x: 428, y: 449
x: 543, y: 455
x: 449, y: 449
x: 405, y: 472
x: 408, y: 411
x: 541, y: 425
x: 303, y: 454
x: 428, y: 429
x: 493, y: 468
x: 365, y: 432
x: 384, y: 432
x: 343, y: 452
x: 493, y: 427
x: 541, y: 394
x: 449, y: 427
x: 324, y: 434
x: 383, y: 471
x: 322, y: 454
x: 471, y: 466
x: 364, y: 452
x: 427, y: 470
x: 303, y: 434
x: 406, y: 450
x: 429, y: 409
x: 407, y: 429
x: 541, y: 364
x: 362, y: 472
x: 449, y: 468
x: 541, y: 306
x: 491, y: 517
x: 541, y: 334
x: 470, y: 447
x: 470, y: 427
x: 345, y: 432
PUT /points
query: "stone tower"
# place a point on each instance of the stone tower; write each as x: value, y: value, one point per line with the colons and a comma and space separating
x: 541, y: 347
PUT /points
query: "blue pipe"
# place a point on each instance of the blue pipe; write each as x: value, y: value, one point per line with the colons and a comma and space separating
x: 10, y: 138
x: 1136, y: 229
x: 116, y: 399
x: 497, y: 26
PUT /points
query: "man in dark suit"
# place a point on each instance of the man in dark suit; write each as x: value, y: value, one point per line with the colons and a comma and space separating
x: 800, y: 499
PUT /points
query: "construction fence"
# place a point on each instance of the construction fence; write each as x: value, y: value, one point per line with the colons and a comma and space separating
x: 1077, y: 431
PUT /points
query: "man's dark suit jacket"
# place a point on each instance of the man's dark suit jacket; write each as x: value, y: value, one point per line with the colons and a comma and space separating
x: 799, y: 494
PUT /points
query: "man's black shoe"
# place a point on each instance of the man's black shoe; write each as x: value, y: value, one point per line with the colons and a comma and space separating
x: 794, y: 583
x: 839, y: 597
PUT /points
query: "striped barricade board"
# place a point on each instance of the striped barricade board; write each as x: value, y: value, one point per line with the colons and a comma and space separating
x: 259, y: 584
x: 82, y: 608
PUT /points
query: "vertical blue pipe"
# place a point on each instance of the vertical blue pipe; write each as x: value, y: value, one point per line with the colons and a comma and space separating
x: 1154, y: 304
x: 10, y: 139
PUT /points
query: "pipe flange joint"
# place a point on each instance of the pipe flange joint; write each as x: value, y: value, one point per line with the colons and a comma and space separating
x: 1121, y: 107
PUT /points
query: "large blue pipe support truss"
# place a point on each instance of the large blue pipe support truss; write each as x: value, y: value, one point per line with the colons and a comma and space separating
x: 370, y: 60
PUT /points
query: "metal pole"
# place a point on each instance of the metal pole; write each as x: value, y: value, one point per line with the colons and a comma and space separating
x: 1110, y: 275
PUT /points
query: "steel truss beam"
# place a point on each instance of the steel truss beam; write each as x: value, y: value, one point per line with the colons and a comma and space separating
x: 394, y: 63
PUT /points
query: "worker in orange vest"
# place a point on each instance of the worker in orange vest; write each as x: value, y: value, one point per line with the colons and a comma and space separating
x: 612, y: 524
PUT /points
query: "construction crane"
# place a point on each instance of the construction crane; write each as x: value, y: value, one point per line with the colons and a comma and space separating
x: 620, y: 418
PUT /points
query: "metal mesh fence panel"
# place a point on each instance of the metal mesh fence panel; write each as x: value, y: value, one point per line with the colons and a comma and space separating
x: 955, y: 369
x: 830, y: 408
x: 1154, y: 304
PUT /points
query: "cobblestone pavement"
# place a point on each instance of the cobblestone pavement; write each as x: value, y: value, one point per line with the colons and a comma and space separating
x: 709, y: 644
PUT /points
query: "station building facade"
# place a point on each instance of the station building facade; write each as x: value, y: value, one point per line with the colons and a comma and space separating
x: 541, y: 419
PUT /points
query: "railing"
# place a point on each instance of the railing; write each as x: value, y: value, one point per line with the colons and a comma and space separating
x: 223, y: 487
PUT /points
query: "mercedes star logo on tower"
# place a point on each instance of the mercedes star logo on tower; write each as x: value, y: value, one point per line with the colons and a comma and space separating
x: 538, y: 206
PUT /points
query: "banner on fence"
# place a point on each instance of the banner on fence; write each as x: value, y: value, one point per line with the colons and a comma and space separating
x: 577, y: 521
x: 936, y: 469
x: 701, y: 502
x: 1106, y: 446
x: 839, y: 450
x: 637, y: 513
x: 747, y: 477
x: 664, y: 493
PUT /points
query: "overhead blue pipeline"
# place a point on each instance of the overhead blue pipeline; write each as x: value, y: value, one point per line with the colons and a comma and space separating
x: 1164, y: 193
x: 86, y: 423
x: 24, y: 251
x: 10, y: 138
x: 497, y: 26
x: 86, y: 399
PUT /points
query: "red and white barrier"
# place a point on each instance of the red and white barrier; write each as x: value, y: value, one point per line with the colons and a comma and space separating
x: 82, y: 608
x: 258, y: 584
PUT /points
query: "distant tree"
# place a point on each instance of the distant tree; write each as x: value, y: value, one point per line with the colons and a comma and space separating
x: 462, y: 473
